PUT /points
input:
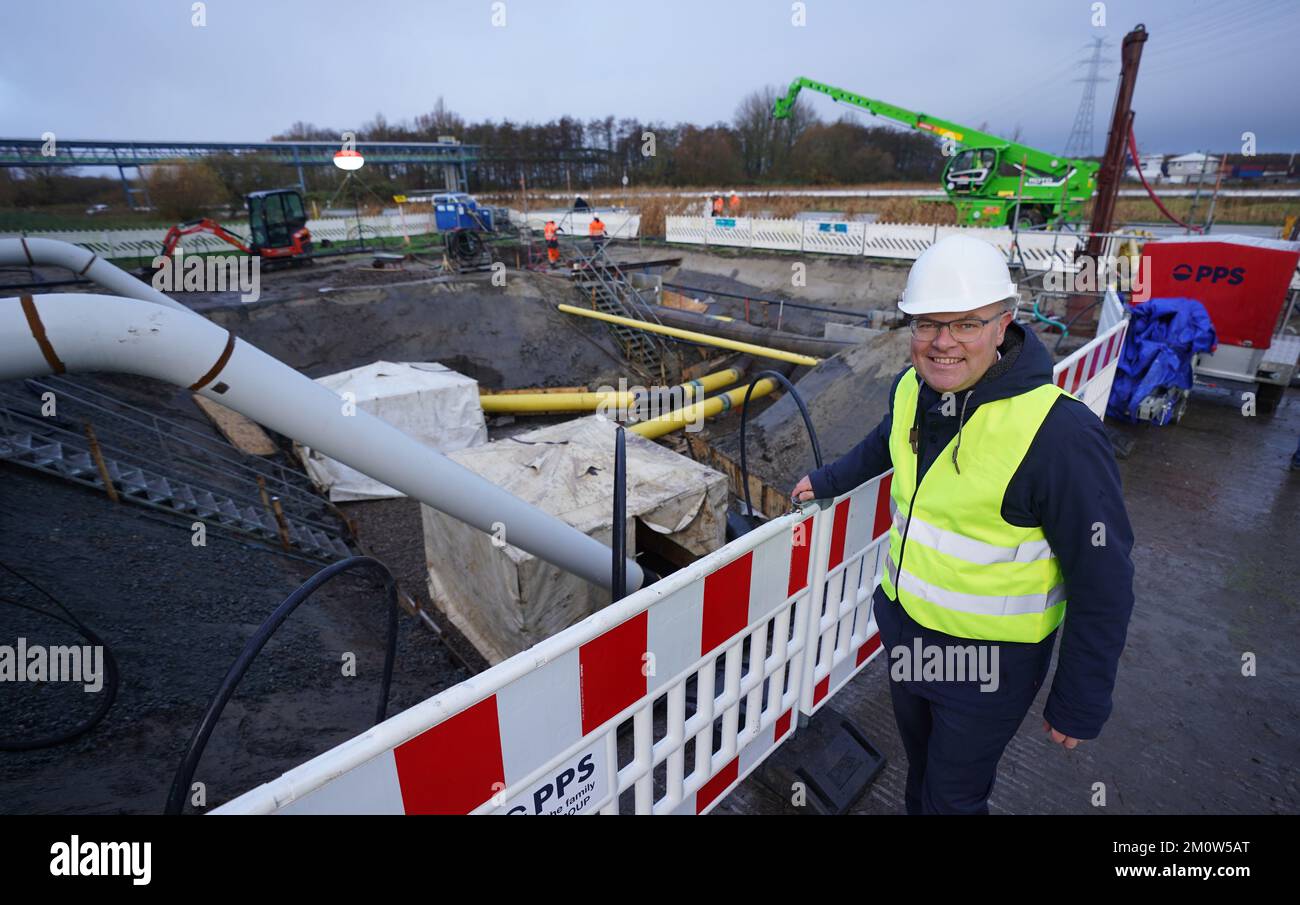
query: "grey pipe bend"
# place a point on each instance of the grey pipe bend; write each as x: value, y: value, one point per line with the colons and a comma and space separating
x: 83, y: 262
x: 87, y: 332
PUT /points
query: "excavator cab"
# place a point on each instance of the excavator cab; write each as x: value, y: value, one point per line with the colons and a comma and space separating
x: 278, y: 223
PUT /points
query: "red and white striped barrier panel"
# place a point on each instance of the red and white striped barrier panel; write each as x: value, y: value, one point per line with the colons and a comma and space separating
x: 702, y: 667
x: 852, y: 549
x: 1089, y: 372
x: 662, y: 702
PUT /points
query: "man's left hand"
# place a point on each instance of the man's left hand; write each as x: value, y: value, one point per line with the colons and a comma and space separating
x: 1058, y: 737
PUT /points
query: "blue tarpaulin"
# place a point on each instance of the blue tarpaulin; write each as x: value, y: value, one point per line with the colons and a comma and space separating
x: 1162, y: 338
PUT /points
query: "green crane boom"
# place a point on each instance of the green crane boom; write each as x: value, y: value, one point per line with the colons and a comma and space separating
x: 991, y: 181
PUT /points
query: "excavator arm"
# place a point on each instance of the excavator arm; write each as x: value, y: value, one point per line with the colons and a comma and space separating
x: 175, y: 234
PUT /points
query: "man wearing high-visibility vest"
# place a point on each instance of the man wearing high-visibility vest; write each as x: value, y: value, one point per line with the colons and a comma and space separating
x: 734, y: 204
x: 717, y: 205
x: 1009, y: 528
x: 551, y: 232
x: 596, y: 232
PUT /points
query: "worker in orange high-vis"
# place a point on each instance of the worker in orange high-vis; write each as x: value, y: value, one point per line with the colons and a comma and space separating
x: 596, y: 232
x: 717, y: 205
x: 551, y: 232
x: 734, y: 204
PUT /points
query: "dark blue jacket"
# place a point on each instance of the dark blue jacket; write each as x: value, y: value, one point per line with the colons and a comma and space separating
x: 1069, y: 485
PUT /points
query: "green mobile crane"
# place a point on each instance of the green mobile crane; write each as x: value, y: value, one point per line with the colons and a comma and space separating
x: 991, y: 181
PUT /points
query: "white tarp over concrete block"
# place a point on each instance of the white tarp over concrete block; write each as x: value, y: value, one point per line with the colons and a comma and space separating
x: 429, y: 401
x: 505, y: 600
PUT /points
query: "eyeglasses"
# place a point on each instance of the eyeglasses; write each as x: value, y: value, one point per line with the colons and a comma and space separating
x: 965, y: 330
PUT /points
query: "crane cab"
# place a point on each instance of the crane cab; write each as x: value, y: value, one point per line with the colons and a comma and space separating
x: 969, y: 169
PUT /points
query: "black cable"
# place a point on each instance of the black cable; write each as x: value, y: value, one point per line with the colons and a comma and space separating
x: 1070, y: 322
x: 203, y: 731
x: 111, y: 677
x: 464, y: 244
x: 619, y: 588
x: 744, y: 416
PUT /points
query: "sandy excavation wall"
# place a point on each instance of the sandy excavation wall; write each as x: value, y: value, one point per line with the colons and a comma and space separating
x: 503, y: 337
x: 852, y: 284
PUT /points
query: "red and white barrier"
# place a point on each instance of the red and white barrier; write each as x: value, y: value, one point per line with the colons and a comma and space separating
x: 1090, y: 371
x: 851, y: 558
x: 661, y: 703
x: 539, y: 733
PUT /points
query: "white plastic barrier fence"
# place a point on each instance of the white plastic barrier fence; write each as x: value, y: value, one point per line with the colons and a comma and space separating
x: 705, y: 672
x: 688, y: 230
x: 1043, y: 251
x: 730, y: 231
x: 344, y: 229
x: 147, y: 243
x: 835, y: 237
x: 900, y: 241
x: 778, y: 235
x: 618, y: 224
x: 904, y: 241
x: 1038, y: 250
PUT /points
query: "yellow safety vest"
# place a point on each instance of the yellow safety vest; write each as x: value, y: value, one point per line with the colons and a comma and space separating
x: 966, y: 571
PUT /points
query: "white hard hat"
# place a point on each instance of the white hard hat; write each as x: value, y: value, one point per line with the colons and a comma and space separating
x: 957, y: 273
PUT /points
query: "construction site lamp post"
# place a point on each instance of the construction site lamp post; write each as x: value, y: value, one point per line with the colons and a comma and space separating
x: 349, y: 162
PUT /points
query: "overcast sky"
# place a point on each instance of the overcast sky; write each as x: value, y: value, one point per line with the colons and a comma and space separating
x: 138, y: 69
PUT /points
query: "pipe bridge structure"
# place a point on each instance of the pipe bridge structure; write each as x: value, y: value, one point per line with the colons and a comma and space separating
x: 30, y: 153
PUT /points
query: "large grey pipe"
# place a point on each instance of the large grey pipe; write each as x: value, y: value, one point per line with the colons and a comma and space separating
x: 84, y: 263
x: 82, y: 332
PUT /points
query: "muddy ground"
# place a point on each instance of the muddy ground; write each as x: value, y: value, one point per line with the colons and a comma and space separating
x: 176, y: 616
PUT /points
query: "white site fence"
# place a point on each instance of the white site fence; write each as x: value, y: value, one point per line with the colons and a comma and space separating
x: 662, y: 702
x: 619, y: 224
x: 904, y: 241
x: 147, y: 243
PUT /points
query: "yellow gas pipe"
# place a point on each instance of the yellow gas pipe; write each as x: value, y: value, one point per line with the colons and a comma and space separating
x: 703, y: 338
x: 673, y: 421
x: 521, y: 403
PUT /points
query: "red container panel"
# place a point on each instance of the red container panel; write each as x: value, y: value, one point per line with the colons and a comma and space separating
x: 1243, y: 285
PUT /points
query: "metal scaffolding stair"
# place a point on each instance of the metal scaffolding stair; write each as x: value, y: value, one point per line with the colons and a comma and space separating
x: 605, y: 287
x: 40, y: 443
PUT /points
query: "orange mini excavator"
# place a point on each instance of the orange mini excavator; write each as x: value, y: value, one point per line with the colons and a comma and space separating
x: 276, y: 219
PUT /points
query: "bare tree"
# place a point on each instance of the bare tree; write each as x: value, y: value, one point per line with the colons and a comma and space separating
x: 439, y: 121
x: 756, y: 130
x: 183, y: 189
